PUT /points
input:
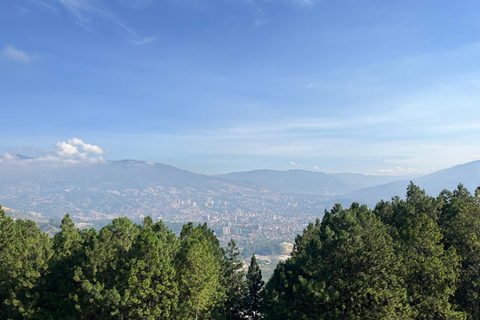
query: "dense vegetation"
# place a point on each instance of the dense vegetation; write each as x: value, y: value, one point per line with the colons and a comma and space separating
x: 417, y: 258
x: 124, y: 271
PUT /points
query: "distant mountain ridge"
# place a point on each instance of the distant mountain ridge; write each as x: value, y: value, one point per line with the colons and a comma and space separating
x: 134, y: 189
x: 299, y: 181
x: 309, y: 182
x: 138, y: 188
x: 467, y: 174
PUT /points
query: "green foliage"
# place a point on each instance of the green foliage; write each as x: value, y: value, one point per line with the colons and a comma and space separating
x: 255, y: 284
x: 235, y: 287
x: 198, y: 273
x: 461, y: 229
x: 417, y: 258
x: 344, y: 267
x: 152, y: 287
x: 24, y: 255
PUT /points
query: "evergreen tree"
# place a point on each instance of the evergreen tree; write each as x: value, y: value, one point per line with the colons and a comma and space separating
x: 255, y: 284
x: 460, y: 223
x: 152, y: 288
x: 24, y: 255
x: 198, y: 274
x: 342, y: 268
x: 56, y: 298
x: 430, y: 271
x: 234, y: 284
x: 103, y: 274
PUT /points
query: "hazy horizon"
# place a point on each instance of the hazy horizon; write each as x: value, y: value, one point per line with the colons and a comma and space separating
x: 76, y: 152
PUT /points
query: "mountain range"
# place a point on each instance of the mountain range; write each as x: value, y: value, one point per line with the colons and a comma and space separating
x: 309, y: 182
x: 138, y: 188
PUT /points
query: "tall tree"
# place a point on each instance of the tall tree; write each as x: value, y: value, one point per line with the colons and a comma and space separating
x: 234, y: 284
x: 152, y: 287
x: 198, y: 274
x: 430, y: 271
x: 460, y: 224
x: 255, y: 284
x: 68, y: 247
x: 342, y: 268
x: 103, y: 273
x: 24, y: 255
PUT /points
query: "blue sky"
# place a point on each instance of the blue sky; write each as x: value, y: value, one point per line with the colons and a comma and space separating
x: 378, y: 87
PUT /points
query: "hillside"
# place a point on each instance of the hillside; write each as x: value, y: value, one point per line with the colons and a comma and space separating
x: 309, y: 182
x: 467, y: 174
x: 134, y: 189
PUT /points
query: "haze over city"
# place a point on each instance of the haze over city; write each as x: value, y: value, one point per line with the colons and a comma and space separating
x: 218, y: 86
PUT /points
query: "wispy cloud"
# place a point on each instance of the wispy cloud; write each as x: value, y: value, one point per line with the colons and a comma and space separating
x: 139, y: 3
x: 144, y: 41
x: 260, y: 13
x: 304, y: 3
x: 402, y: 171
x: 20, y: 11
x: 85, y: 12
x: 12, y: 53
x: 295, y: 164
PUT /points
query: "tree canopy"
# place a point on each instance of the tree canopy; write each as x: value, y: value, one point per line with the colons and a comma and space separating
x: 412, y: 258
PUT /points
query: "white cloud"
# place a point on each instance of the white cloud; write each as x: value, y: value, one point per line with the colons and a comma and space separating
x: 12, y: 53
x: 73, y: 151
x: 66, y: 150
x: 88, y: 148
x: 401, y: 171
x: 8, y: 157
x: 295, y: 164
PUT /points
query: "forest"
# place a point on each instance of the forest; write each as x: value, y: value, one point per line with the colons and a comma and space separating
x: 411, y: 258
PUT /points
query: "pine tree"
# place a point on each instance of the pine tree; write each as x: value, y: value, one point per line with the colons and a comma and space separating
x: 235, y: 286
x: 102, y: 276
x: 253, y: 297
x: 341, y: 268
x: 430, y: 271
x: 460, y: 224
x: 152, y: 287
x: 198, y: 274
x: 24, y: 255
x: 67, y: 246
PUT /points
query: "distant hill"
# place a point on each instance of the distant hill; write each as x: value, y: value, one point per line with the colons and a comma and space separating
x: 468, y: 174
x: 310, y: 182
x: 50, y: 227
x: 300, y: 181
x: 134, y: 189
